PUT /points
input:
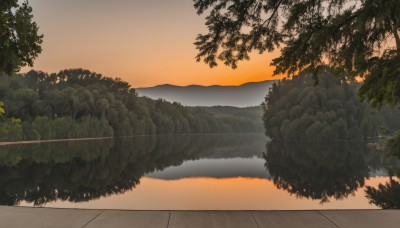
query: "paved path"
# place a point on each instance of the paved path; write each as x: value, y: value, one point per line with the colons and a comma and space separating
x: 46, y: 217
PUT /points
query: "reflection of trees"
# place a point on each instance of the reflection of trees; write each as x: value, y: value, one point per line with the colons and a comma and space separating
x: 386, y: 196
x: 87, y: 170
x: 319, y: 171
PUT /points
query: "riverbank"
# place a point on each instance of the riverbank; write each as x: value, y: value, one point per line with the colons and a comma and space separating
x: 49, y: 217
x: 50, y: 140
x: 100, y: 138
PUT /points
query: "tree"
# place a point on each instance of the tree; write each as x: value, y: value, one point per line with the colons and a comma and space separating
x: 355, y: 38
x: 296, y: 109
x: 386, y: 196
x: 20, y: 42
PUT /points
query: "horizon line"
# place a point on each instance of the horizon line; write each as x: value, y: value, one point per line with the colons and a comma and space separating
x: 212, y: 85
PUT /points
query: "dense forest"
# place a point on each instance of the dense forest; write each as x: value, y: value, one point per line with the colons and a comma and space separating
x: 297, y: 109
x: 78, y: 103
x: 239, y: 117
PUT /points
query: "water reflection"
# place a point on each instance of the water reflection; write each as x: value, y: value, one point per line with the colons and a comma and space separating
x: 84, y: 171
x: 387, y: 195
x: 320, y: 171
x: 87, y: 170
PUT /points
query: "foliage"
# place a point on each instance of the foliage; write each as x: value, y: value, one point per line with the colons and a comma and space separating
x: 358, y: 38
x: 79, y: 103
x: 249, y: 118
x: 20, y: 42
x: 296, y: 109
x: 11, y: 129
x: 393, y: 144
x: 2, y: 111
x: 386, y: 196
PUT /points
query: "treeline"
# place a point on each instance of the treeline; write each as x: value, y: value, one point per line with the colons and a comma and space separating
x: 79, y: 103
x: 239, y: 117
x: 297, y: 109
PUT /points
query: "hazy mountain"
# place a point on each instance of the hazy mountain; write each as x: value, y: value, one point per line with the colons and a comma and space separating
x: 215, y: 168
x: 249, y: 94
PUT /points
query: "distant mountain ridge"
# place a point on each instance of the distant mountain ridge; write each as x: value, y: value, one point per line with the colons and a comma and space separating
x: 245, y: 95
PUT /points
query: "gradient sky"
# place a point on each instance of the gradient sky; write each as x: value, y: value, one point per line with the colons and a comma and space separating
x: 145, y: 42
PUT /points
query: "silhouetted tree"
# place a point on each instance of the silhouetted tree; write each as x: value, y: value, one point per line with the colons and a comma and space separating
x: 20, y: 42
x: 386, y: 196
x: 353, y: 37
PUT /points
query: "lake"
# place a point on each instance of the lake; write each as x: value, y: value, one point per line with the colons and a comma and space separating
x: 196, y: 172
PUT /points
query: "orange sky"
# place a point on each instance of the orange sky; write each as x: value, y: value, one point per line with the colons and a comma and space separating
x: 145, y: 42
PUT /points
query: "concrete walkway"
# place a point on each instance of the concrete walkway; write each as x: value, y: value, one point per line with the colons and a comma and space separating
x: 46, y: 217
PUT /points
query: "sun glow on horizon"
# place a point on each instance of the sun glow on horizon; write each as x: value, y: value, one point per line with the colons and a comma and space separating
x: 145, y: 43
x: 216, y: 193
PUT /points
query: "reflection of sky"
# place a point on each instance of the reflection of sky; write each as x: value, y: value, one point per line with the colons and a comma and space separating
x: 225, y: 168
x: 145, y: 42
x: 229, y: 173
x: 217, y: 194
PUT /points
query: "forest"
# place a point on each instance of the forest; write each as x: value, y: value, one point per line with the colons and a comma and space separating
x: 240, y: 116
x: 79, y: 103
x: 298, y: 109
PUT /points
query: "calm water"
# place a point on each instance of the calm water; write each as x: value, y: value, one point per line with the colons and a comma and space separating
x: 200, y: 172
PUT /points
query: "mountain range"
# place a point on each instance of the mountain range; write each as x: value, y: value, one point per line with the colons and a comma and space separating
x: 249, y: 94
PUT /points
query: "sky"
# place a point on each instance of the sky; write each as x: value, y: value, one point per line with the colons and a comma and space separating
x: 144, y: 42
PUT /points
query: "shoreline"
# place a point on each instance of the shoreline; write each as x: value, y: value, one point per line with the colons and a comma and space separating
x: 51, y: 140
x: 100, y: 138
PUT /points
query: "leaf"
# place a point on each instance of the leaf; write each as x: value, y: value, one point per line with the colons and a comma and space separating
x: 2, y: 111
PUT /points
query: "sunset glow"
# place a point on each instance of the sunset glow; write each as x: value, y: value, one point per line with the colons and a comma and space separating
x: 145, y: 42
x: 217, y: 194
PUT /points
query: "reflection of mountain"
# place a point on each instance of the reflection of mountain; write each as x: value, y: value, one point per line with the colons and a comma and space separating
x: 249, y: 94
x: 320, y: 171
x: 86, y: 170
x: 216, y: 168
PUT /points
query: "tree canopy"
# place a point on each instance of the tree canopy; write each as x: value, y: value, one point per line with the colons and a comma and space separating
x: 295, y: 109
x: 357, y: 38
x: 20, y: 41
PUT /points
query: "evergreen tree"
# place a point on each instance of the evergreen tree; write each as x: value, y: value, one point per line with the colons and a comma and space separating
x: 357, y: 38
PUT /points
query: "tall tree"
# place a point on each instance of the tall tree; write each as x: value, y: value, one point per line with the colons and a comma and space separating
x: 20, y: 41
x: 354, y: 37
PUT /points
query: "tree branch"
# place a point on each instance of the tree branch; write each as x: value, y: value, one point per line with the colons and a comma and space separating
x: 397, y: 38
